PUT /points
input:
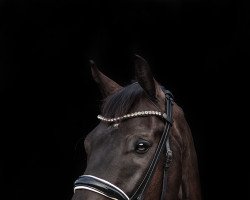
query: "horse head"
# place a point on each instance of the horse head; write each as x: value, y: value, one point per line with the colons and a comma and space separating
x: 142, y: 148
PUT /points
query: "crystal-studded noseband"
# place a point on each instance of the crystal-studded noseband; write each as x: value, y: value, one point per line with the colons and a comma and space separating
x: 132, y: 115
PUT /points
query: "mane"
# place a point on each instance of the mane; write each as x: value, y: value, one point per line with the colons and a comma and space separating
x: 121, y: 102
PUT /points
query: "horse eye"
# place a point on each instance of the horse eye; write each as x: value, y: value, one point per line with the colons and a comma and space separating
x: 142, y: 146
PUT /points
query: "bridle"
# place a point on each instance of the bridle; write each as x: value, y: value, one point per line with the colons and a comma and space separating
x: 107, y: 189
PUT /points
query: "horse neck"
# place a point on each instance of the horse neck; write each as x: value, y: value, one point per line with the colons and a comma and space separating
x: 184, y: 160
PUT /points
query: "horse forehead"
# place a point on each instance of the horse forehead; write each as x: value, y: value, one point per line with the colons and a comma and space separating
x: 142, y: 123
x: 130, y: 126
x: 134, y: 126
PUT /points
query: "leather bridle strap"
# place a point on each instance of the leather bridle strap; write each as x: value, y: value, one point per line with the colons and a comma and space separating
x: 168, y: 160
x: 168, y: 154
x: 138, y: 195
x: 100, y: 186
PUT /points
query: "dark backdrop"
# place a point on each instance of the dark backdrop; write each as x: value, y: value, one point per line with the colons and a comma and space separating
x: 49, y: 101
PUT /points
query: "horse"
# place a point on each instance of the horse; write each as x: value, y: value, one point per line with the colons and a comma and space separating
x: 142, y: 149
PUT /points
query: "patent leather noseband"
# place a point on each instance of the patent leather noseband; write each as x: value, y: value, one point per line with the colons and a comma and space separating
x: 100, y: 186
x: 107, y: 189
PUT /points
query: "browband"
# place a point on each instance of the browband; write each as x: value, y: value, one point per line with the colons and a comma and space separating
x: 132, y: 115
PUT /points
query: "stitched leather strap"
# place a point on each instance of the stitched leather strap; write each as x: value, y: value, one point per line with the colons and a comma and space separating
x: 168, y: 160
x: 100, y: 186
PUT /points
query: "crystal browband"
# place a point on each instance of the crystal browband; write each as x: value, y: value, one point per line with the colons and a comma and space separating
x: 132, y: 115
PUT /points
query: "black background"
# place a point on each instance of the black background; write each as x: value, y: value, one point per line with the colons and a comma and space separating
x: 49, y: 100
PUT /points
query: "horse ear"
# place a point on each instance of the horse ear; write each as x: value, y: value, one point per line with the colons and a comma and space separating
x: 145, y: 78
x: 106, y: 85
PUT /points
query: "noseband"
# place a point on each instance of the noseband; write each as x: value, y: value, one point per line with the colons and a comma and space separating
x: 111, y: 191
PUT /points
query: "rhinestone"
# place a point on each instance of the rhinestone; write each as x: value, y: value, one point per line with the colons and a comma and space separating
x: 164, y: 115
x: 146, y: 112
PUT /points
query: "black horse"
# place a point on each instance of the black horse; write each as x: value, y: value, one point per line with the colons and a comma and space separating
x: 142, y: 148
